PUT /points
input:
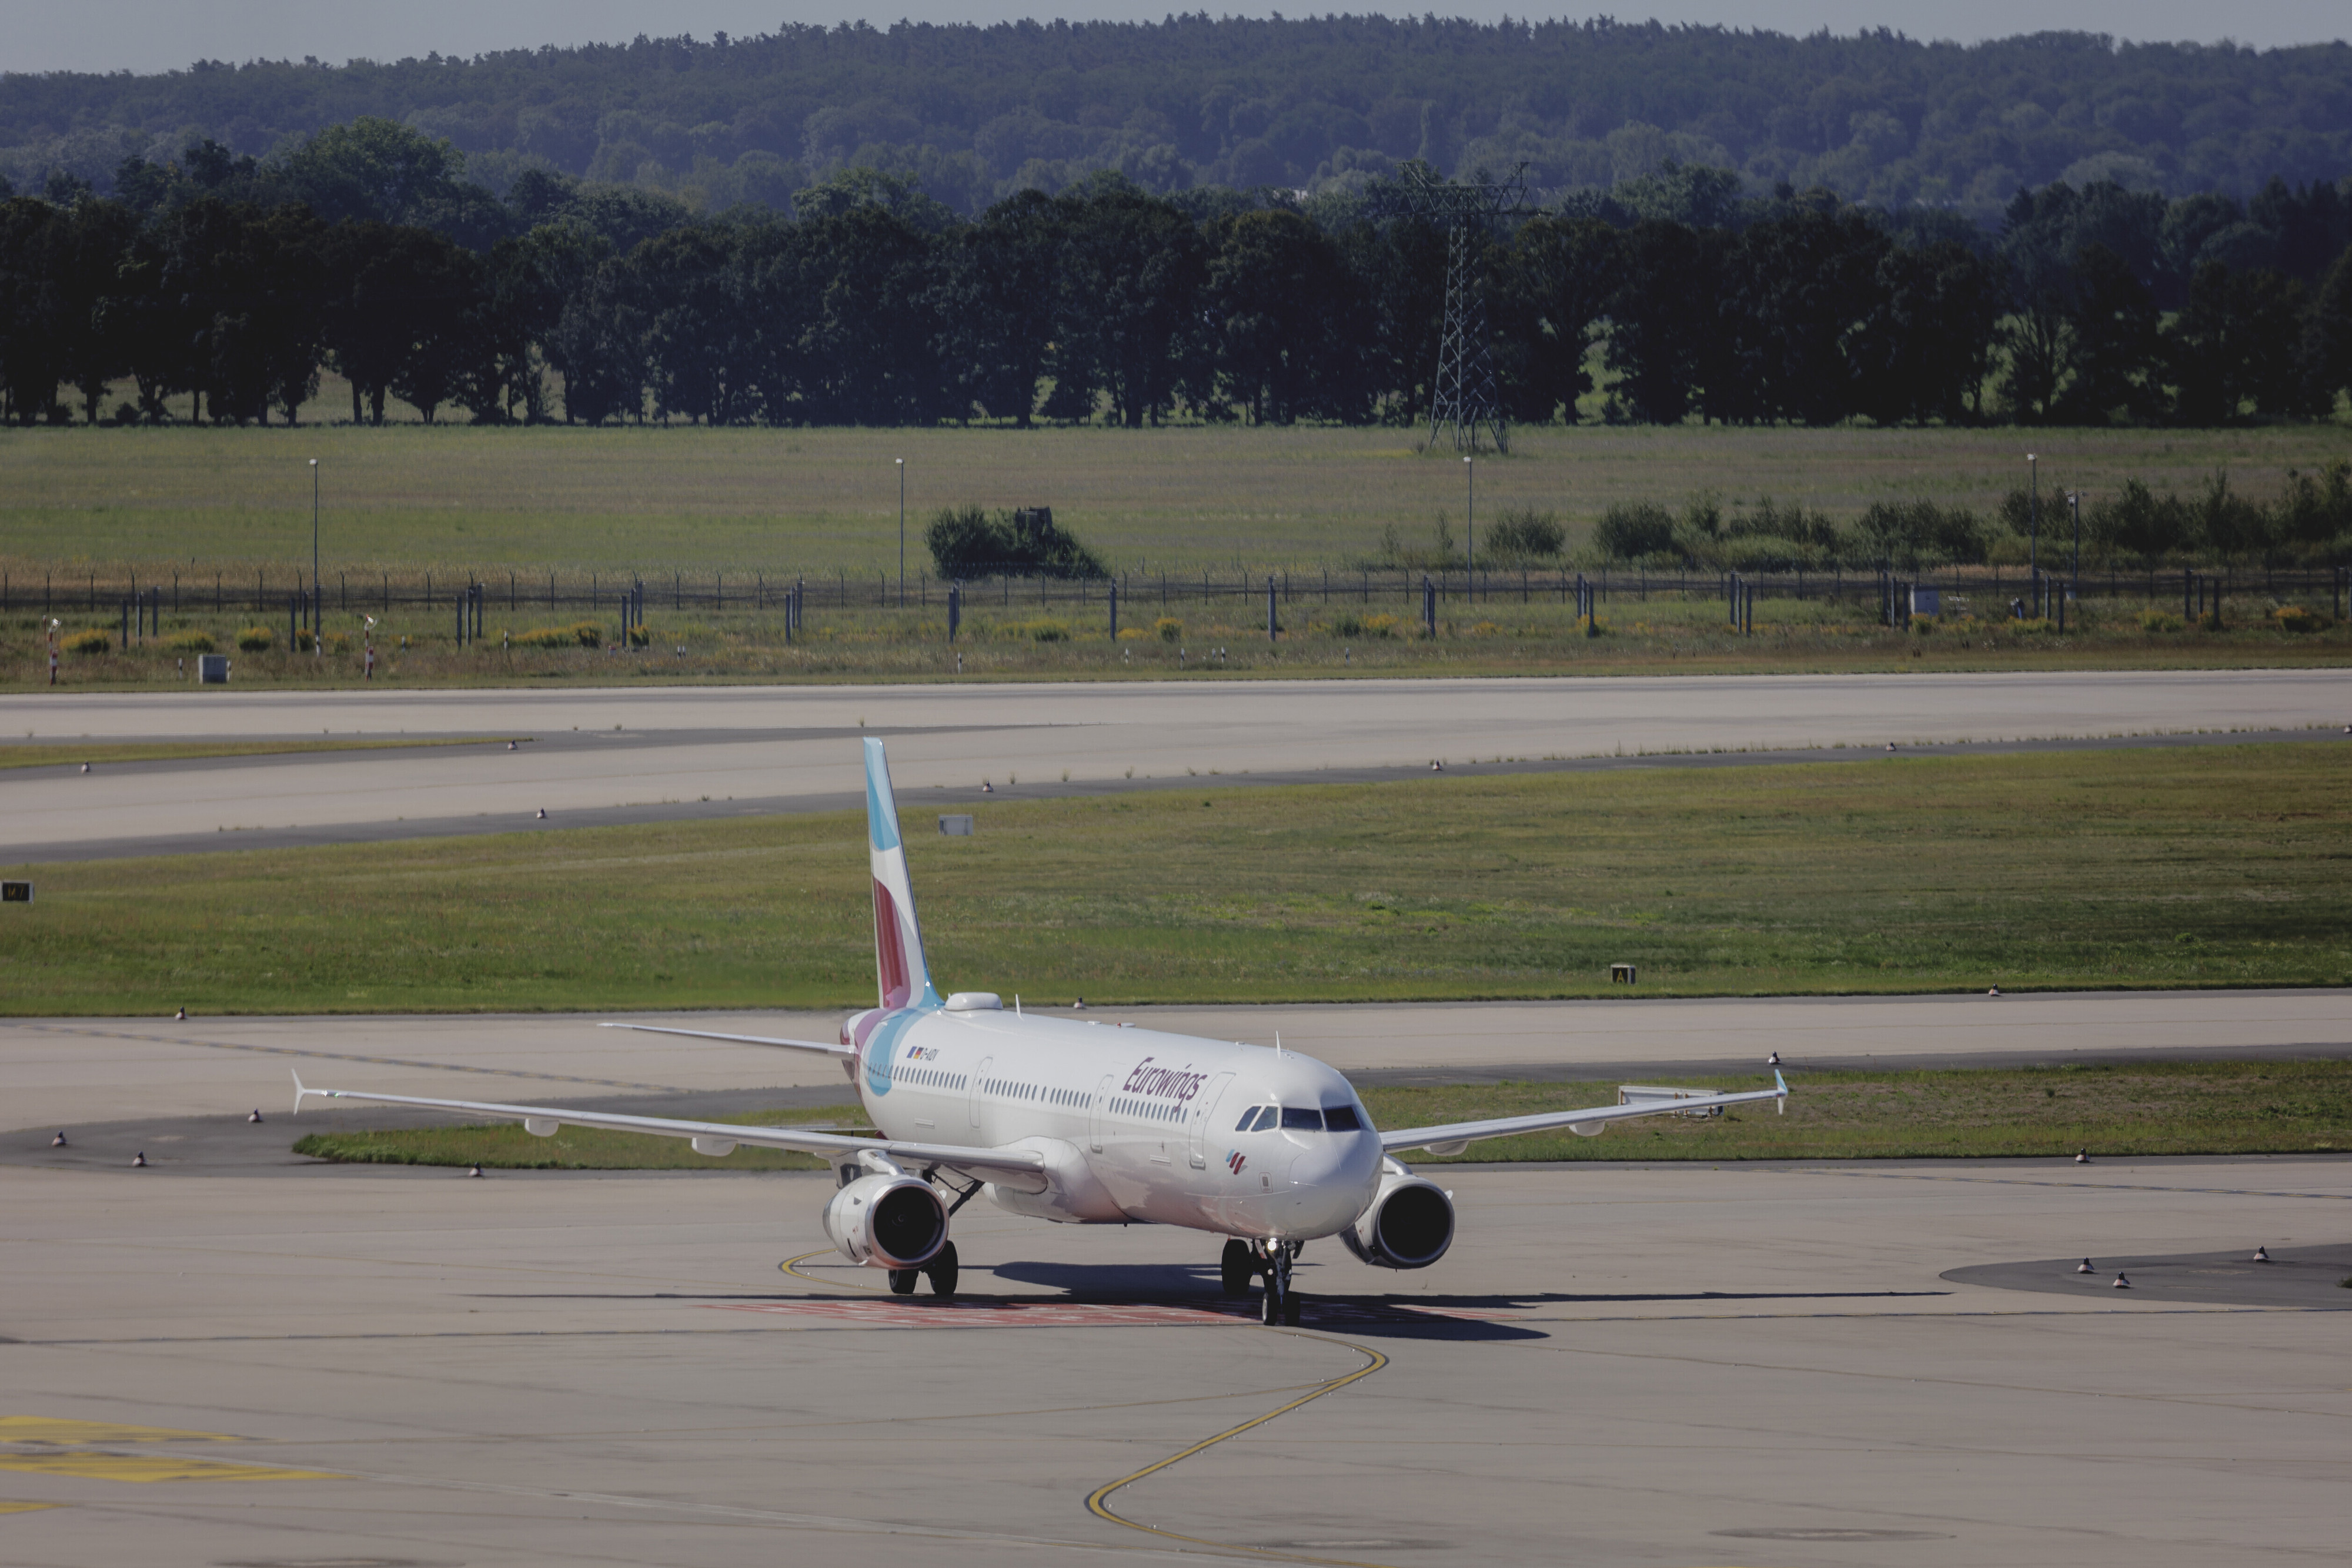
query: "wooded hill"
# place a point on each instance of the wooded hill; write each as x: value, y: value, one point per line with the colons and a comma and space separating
x: 975, y: 114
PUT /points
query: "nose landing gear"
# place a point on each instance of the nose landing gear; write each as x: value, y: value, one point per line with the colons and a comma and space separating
x: 1280, y: 1305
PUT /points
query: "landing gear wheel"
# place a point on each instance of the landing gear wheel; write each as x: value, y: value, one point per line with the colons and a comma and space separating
x: 1238, y: 1268
x: 942, y: 1270
x: 1291, y: 1305
x: 1269, y: 1306
x: 902, y: 1281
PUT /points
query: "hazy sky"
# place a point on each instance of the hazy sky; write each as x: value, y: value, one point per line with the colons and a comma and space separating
x: 162, y: 35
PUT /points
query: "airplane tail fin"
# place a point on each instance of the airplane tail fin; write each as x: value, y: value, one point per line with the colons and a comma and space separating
x: 902, y: 976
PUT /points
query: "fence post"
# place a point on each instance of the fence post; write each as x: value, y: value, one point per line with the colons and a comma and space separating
x: 1429, y: 604
x: 1271, y: 625
x: 1114, y: 610
x: 955, y: 611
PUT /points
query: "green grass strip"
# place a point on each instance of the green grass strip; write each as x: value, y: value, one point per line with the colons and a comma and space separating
x: 2204, y: 866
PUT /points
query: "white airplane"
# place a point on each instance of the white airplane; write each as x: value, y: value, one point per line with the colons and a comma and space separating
x: 1088, y: 1123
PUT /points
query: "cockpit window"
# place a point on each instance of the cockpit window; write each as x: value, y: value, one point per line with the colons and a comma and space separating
x: 1248, y: 1118
x: 1301, y: 1119
x: 1342, y: 1119
x: 1266, y: 1117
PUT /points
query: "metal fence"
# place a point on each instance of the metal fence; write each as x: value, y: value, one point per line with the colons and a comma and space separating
x: 1988, y: 590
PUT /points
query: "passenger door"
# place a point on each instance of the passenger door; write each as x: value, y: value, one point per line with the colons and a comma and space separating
x: 1204, y: 1106
x: 971, y: 1102
x: 1099, y: 1112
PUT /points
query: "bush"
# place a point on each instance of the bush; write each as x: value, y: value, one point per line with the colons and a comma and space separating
x: 579, y: 634
x: 2159, y: 620
x: 967, y: 542
x: 2296, y: 617
x: 1915, y: 533
x: 257, y: 638
x: 1518, y: 537
x: 1379, y: 625
x: 191, y: 641
x: 640, y: 635
x: 1485, y: 629
x: 1629, y: 532
x: 92, y: 641
x: 1170, y: 630
x: 1353, y: 625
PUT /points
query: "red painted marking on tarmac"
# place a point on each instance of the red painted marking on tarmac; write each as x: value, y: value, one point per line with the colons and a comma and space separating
x: 964, y: 1314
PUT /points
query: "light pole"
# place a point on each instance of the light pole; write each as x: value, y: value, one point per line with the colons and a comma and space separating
x: 318, y: 594
x: 1470, y: 528
x: 2033, y: 517
x: 902, y: 532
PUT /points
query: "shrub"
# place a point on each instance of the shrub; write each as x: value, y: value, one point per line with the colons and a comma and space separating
x: 1043, y: 630
x: 1518, y: 537
x: 1925, y: 625
x: 1170, y: 630
x: 1910, y: 533
x: 1132, y: 634
x: 92, y: 641
x: 966, y: 542
x: 2159, y: 620
x: 640, y: 635
x: 1379, y: 625
x: 1485, y: 629
x: 2296, y: 617
x: 257, y: 638
x: 191, y: 641
x: 1628, y: 532
x: 579, y: 634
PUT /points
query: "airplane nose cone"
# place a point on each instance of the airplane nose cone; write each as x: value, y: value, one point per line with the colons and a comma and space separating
x: 1332, y: 1180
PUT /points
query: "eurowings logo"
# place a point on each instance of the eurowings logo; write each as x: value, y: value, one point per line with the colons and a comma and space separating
x: 1235, y: 1161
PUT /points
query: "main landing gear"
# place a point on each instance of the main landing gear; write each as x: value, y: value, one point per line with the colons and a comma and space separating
x: 1243, y: 1259
x: 941, y: 1269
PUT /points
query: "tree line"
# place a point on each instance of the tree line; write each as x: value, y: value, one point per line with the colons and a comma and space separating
x: 875, y: 305
x: 975, y: 113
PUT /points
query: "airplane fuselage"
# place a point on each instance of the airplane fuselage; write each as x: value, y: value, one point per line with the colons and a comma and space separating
x: 1135, y: 1124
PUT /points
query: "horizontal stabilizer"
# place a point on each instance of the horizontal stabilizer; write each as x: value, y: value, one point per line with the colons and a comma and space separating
x: 831, y: 1048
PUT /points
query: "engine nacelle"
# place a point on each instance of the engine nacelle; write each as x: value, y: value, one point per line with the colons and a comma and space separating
x: 887, y: 1221
x: 1410, y: 1224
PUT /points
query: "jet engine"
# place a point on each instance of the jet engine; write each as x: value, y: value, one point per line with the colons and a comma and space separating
x: 1409, y: 1225
x: 889, y: 1221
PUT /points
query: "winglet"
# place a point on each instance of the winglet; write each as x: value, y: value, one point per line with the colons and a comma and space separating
x: 299, y: 1090
x: 1782, y: 1103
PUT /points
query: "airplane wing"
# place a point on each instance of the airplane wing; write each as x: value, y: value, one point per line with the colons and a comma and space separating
x: 1454, y: 1137
x: 716, y: 1139
x: 829, y: 1046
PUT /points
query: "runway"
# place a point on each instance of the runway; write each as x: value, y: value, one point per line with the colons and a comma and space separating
x: 640, y: 754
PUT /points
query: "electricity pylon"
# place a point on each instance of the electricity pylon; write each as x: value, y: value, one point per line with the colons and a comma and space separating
x: 1463, y: 393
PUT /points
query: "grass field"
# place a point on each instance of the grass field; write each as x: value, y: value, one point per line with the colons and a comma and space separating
x: 2186, y: 1108
x: 2208, y: 866
x: 787, y: 501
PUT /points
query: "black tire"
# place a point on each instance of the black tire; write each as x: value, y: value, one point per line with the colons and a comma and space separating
x: 942, y: 1269
x: 1269, y: 1306
x: 1291, y: 1305
x: 902, y: 1281
x: 1238, y: 1268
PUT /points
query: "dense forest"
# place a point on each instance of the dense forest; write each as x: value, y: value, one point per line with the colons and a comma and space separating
x: 236, y: 280
x: 973, y: 115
